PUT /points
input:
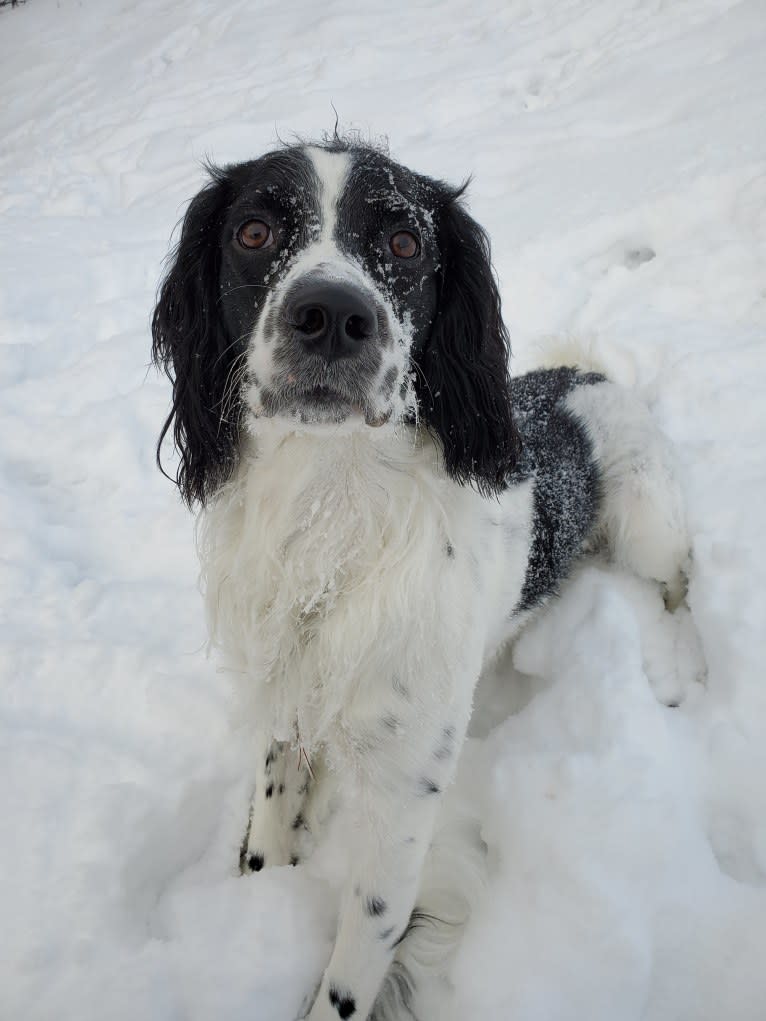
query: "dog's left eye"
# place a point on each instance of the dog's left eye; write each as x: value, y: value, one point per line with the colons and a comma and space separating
x: 255, y: 234
x: 404, y: 244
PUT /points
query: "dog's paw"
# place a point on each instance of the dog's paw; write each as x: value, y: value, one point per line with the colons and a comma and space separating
x: 261, y: 850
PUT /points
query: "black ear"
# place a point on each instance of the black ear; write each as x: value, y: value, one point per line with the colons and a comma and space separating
x: 192, y: 346
x: 463, y: 382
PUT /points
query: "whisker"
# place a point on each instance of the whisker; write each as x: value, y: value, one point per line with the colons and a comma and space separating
x: 239, y: 287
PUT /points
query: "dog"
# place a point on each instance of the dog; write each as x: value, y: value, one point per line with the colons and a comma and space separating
x: 382, y: 506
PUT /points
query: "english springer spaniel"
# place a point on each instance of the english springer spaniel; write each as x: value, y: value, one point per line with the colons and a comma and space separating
x: 382, y: 506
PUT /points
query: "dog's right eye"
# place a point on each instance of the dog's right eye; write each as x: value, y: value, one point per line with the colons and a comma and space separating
x: 255, y: 234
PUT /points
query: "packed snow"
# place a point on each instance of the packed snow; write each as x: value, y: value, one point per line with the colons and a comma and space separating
x: 617, y: 768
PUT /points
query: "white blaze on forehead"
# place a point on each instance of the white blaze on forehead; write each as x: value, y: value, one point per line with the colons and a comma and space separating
x: 332, y: 170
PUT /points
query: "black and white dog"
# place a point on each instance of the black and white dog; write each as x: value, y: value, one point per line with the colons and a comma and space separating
x: 382, y: 506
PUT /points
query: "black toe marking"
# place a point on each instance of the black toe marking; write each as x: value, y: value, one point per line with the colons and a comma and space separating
x: 269, y: 790
x: 256, y: 862
x: 281, y: 789
x: 375, y: 906
x: 343, y: 1002
x: 294, y: 859
x: 428, y: 786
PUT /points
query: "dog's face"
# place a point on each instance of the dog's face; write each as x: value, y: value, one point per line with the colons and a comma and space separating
x: 327, y: 284
x: 328, y: 273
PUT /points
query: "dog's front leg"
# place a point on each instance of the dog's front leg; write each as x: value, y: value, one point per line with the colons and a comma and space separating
x: 277, y: 828
x: 398, y: 770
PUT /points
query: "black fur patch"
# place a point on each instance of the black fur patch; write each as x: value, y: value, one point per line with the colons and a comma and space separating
x: 344, y: 1003
x: 428, y: 786
x: 375, y: 906
x: 557, y: 454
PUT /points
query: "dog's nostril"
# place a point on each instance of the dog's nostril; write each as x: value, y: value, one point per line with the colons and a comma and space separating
x: 312, y: 322
x: 357, y: 328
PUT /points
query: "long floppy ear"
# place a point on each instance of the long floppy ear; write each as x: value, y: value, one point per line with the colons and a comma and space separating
x: 463, y: 386
x: 192, y: 346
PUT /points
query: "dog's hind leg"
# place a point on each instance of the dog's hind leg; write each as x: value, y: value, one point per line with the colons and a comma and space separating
x: 642, y: 510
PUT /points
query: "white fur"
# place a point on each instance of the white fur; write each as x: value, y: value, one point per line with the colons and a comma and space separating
x: 330, y: 590
x: 642, y: 513
x: 319, y: 539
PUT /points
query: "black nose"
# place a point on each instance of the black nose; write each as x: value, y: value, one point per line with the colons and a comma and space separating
x: 331, y: 319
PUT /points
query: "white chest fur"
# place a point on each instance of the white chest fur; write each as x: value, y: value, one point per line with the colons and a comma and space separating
x: 336, y: 568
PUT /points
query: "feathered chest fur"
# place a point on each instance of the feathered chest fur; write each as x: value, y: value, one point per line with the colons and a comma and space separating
x: 326, y: 561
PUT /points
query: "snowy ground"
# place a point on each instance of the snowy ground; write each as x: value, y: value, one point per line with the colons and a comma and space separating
x: 619, y: 154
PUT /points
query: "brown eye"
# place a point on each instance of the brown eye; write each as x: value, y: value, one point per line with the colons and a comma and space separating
x: 404, y: 245
x: 255, y: 234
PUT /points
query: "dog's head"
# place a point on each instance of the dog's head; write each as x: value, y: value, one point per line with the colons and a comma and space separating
x: 326, y: 284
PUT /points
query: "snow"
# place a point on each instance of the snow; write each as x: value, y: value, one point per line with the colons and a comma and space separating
x: 619, y: 164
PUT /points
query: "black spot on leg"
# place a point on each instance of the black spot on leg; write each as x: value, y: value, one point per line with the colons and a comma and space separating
x: 343, y: 1002
x: 256, y: 862
x: 281, y: 789
x: 269, y: 790
x: 386, y: 934
x: 428, y: 786
x: 449, y: 549
x: 375, y: 906
x: 299, y: 821
x: 270, y: 756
